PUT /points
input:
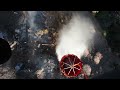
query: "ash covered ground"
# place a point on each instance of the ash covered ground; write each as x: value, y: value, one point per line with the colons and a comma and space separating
x: 33, y: 46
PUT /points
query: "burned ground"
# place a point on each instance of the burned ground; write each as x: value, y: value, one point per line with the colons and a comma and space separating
x: 35, y: 49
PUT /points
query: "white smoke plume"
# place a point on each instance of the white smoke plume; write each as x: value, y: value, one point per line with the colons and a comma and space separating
x: 31, y: 19
x: 75, y: 37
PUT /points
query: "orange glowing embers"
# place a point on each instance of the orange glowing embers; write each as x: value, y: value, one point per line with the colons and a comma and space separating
x: 71, y: 65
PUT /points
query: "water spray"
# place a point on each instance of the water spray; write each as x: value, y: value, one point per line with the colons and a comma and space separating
x: 74, y: 39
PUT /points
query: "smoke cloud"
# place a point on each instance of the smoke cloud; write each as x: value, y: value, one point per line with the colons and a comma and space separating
x: 31, y: 19
x: 76, y: 36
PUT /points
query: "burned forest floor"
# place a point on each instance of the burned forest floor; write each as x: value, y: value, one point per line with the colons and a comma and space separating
x: 33, y: 49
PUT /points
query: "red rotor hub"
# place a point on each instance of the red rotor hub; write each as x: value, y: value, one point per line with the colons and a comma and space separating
x: 71, y: 65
